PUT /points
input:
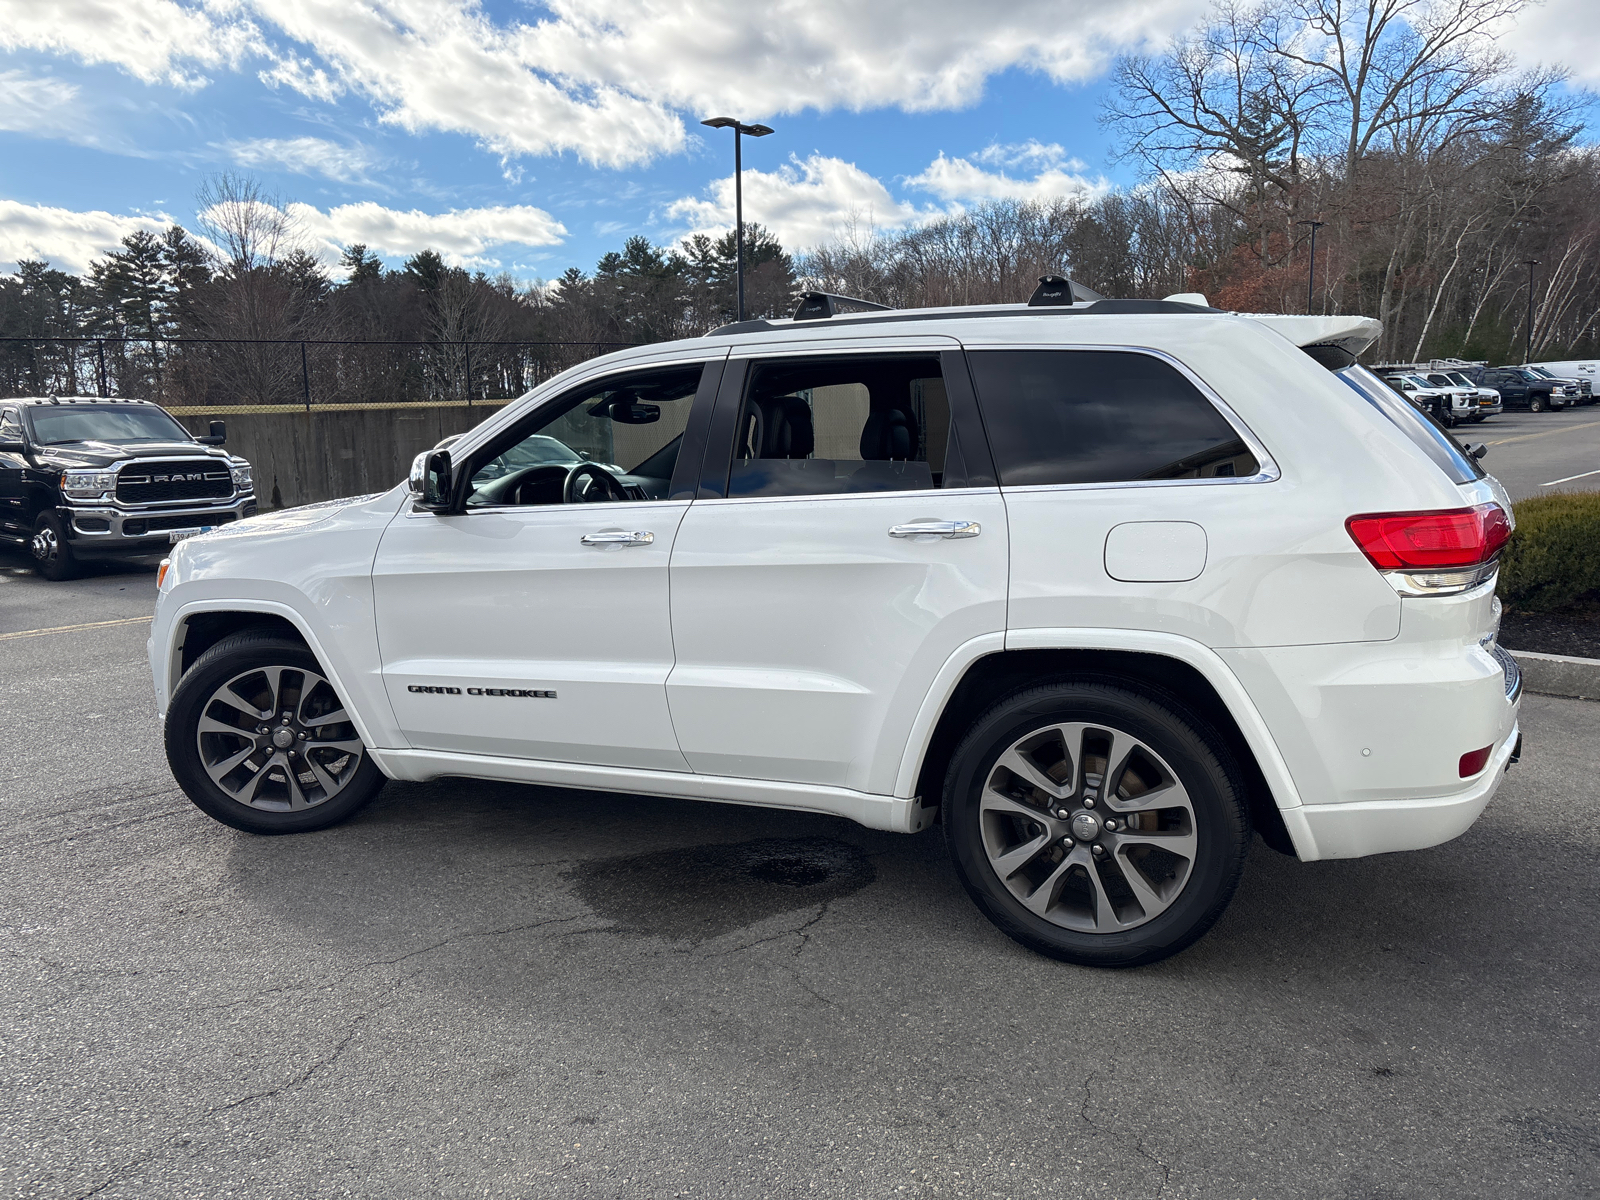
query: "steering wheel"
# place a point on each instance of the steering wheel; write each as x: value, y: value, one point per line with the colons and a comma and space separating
x: 604, y: 481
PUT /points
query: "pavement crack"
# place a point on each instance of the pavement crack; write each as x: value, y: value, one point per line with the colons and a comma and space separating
x: 1083, y: 1112
x: 1166, y: 1170
x: 299, y: 1080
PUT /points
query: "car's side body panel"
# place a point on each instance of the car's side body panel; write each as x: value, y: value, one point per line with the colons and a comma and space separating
x: 502, y: 633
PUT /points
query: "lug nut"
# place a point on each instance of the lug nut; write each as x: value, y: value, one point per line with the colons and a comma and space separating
x: 1100, y: 850
x: 1111, y: 826
x: 291, y: 754
x: 1088, y: 801
x: 1067, y: 843
x: 303, y: 735
x: 1062, y: 814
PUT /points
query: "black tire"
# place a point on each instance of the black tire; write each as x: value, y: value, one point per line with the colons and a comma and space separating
x: 1536, y: 404
x: 52, y: 553
x: 1199, y: 761
x: 249, y: 651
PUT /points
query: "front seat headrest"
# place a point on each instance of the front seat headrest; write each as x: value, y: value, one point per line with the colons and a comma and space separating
x: 781, y: 428
x: 890, y: 434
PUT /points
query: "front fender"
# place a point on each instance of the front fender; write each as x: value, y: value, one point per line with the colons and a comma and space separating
x: 313, y: 568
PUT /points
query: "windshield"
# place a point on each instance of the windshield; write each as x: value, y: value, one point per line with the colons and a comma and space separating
x: 120, y: 424
x: 1541, y: 372
x: 1462, y: 380
x: 1428, y: 435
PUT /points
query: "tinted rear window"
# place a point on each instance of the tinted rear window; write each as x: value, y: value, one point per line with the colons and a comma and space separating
x: 1429, y: 436
x: 1100, y: 416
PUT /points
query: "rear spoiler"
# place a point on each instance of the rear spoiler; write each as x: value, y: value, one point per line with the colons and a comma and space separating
x: 1351, y: 335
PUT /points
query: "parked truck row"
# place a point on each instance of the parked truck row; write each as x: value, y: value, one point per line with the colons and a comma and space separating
x: 1454, y: 391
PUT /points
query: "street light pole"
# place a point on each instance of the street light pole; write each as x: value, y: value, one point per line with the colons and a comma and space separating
x: 1311, y: 272
x: 1527, y: 350
x: 738, y: 194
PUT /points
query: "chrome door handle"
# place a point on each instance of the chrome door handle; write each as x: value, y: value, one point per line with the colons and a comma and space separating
x: 944, y: 529
x: 618, y: 537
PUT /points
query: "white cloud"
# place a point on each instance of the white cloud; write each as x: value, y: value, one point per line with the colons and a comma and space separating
x: 805, y: 202
x: 64, y: 238
x: 464, y: 237
x: 157, y: 41
x: 962, y: 181
x: 345, y: 162
x: 38, y: 105
x: 1564, y: 33
x: 604, y: 79
x: 448, y: 67
x: 826, y: 54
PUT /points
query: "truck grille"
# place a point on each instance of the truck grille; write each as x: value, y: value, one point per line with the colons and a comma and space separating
x: 179, y: 479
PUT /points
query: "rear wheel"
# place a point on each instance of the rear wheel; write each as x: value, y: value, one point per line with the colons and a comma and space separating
x: 258, y: 738
x: 1096, y: 824
x: 52, y: 553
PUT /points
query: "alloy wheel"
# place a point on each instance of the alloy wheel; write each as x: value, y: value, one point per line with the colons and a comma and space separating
x: 46, y: 547
x: 278, y: 739
x: 1088, y: 827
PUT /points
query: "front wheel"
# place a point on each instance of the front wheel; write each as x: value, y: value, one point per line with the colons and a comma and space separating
x: 1096, y: 824
x: 1536, y: 404
x: 52, y: 553
x: 258, y: 738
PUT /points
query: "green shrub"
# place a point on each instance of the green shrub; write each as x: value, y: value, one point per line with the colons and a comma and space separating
x: 1554, y: 556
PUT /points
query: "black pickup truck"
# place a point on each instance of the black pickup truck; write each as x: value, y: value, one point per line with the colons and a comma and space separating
x: 1521, y: 388
x: 86, y: 477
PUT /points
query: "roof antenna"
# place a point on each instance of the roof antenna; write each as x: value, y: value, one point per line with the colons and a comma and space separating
x: 1058, y: 289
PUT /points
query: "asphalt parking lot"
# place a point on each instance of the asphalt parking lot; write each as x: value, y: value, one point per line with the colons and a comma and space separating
x: 487, y: 990
x: 1534, y: 454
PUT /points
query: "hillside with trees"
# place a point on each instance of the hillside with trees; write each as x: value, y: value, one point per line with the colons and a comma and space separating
x: 1452, y: 192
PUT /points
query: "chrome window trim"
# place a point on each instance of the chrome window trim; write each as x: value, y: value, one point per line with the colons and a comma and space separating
x: 1267, y: 471
x: 927, y: 493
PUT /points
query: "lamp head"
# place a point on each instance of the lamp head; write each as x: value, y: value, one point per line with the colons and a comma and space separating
x: 755, y: 130
x: 720, y: 122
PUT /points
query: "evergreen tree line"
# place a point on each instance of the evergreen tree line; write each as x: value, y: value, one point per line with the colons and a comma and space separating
x: 1436, y: 168
x: 245, y: 315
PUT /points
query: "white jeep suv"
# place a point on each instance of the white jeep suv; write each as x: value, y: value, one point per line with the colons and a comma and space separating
x: 1103, y: 586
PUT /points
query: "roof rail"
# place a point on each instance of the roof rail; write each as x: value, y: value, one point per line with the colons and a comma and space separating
x: 1058, y: 289
x: 817, y: 306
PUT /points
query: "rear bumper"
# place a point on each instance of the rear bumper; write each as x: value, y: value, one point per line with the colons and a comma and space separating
x: 1364, y: 827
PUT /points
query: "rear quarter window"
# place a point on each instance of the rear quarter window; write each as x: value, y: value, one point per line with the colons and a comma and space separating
x: 1428, y: 436
x: 1100, y: 416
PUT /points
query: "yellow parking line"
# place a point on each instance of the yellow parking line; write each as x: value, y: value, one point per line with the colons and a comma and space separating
x: 1542, y: 433
x: 5, y: 637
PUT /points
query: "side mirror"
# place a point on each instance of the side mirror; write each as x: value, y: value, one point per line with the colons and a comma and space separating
x: 431, y: 481
x: 218, y: 435
x: 1478, y: 451
x: 10, y: 446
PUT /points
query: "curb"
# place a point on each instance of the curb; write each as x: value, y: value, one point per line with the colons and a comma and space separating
x: 1559, y: 675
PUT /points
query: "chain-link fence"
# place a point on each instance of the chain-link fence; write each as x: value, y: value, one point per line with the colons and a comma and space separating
x: 264, y: 376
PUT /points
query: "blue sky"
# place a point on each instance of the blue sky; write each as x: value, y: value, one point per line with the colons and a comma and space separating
x: 530, y: 138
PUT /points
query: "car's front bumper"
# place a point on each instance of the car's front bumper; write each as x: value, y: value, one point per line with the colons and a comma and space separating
x: 104, y: 529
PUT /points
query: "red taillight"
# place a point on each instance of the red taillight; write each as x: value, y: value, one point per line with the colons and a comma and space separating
x: 1474, y: 762
x: 1431, y: 541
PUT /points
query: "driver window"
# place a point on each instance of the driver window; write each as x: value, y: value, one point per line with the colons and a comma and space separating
x: 616, y: 439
